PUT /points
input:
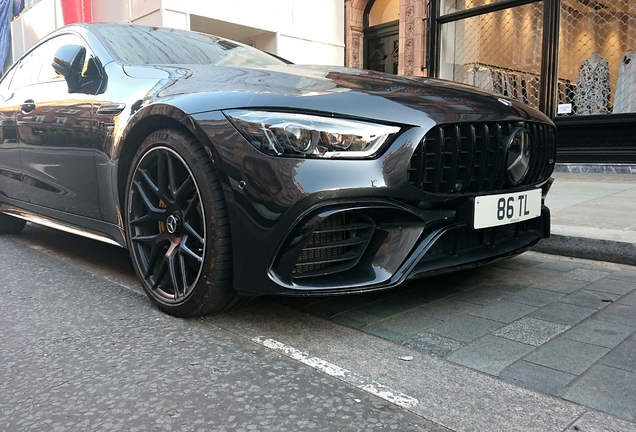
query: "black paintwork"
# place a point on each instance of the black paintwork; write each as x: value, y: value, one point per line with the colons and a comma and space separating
x: 75, y: 172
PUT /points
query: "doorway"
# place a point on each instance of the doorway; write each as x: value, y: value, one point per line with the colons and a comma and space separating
x: 382, y: 47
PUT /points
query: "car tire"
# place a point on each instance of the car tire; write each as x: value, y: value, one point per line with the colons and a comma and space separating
x: 177, y: 226
x: 10, y: 224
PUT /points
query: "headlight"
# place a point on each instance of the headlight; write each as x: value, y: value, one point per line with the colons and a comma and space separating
x: 310, y: 136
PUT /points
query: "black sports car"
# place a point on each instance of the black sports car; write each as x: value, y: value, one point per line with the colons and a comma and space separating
x: 228, y: 172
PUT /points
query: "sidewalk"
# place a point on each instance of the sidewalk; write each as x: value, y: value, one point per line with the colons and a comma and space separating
x: 593, y: 217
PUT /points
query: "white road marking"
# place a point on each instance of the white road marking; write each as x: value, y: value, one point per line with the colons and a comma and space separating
x: 331, y: 369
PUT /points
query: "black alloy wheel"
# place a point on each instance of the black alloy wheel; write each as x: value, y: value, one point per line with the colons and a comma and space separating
x: 10, y: 224
x: 177, y: 226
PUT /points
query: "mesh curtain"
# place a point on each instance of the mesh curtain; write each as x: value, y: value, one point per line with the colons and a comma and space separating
x: 501, y: 51
x: 597, y: 52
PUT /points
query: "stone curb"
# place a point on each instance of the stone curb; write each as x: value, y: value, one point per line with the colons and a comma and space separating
x: 616, y: 251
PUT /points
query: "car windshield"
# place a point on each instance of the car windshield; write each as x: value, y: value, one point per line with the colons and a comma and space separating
x: 136, y: 45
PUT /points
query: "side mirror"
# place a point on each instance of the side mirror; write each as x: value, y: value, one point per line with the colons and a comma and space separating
x: 69, y: 60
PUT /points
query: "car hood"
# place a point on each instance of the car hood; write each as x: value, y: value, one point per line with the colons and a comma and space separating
x: 347, y: 91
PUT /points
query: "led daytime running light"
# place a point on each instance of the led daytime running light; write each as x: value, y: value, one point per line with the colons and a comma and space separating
x: 300, y: 135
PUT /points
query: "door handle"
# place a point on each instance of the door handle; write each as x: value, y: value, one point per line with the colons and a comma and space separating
x: 28, y: 106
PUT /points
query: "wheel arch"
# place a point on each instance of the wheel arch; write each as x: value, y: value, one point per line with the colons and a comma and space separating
x: 143, y: 124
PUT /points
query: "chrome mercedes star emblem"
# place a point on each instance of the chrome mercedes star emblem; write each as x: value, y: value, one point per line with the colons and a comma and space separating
x: 172, y: 223
x: 518, y: 155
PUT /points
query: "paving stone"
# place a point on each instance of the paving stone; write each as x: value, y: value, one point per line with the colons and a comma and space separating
x: 596, y: 421
x: 433, y: 344
x: 535, y: 297
x: 400, y: 327
x: 622, y: 357
x: 601, y: 266
x: 356, y: 319
x: 481, y: 295
x: 390, y: 306
x: 607, y: 389
x: 601, y: 333
x: 394, y: 304
x: 619, y: 314
x: 389, y: 333
x: 463, y: 281
x: 629, y: 300
x: 537, y: 377
x: 563, y: 313
x: 446, y: 309
x: 332, y: 306
x: 626, y: 275
x: 567, y: 355
x: 490, y: 354
x: 519, y: 263
x: 591, y: 299
x: 586, y: 274
x: 497, y: 274
x: 531, y: 331
x: 508, y: 286
x: 537, y: 276
x: 562, y: 285
x: 503, y: 311
x: 465, y: 328
x: 560, y: 265
x: 295, y: 302
x: 612, y: 286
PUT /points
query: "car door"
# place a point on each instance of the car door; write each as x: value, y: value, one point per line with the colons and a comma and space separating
x: 11, y: 185
x: 55, y: 135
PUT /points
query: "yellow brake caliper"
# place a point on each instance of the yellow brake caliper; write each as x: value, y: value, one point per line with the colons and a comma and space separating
x: 162, y: 225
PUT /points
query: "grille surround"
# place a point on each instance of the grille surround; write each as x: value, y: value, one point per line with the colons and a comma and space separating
x: 468, y: 158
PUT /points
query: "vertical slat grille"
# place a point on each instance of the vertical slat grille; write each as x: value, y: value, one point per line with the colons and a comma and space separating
x: 467, y: 158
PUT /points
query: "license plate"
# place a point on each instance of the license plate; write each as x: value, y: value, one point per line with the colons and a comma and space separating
x: 495, y: 210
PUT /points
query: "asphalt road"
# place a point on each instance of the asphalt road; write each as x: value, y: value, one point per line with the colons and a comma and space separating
x: 83, y: 349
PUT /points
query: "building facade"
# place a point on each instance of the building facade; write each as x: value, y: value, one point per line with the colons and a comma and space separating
x: 299, y: 30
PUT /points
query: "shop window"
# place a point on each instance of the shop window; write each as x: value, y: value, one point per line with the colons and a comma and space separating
x: 498, y: 51
x: 598, y: 53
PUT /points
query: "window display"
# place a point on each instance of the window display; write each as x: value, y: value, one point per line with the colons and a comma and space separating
x: 626, y: 84
x: 595, y: 42
x: 502, y: 51
x: 593, y: 89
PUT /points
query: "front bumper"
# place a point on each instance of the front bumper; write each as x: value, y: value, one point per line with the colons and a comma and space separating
x: 347, y: 250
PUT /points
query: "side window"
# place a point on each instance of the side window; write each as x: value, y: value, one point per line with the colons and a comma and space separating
x: 36, y: 66
x: 5, y: 83
x: 27, y: 71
